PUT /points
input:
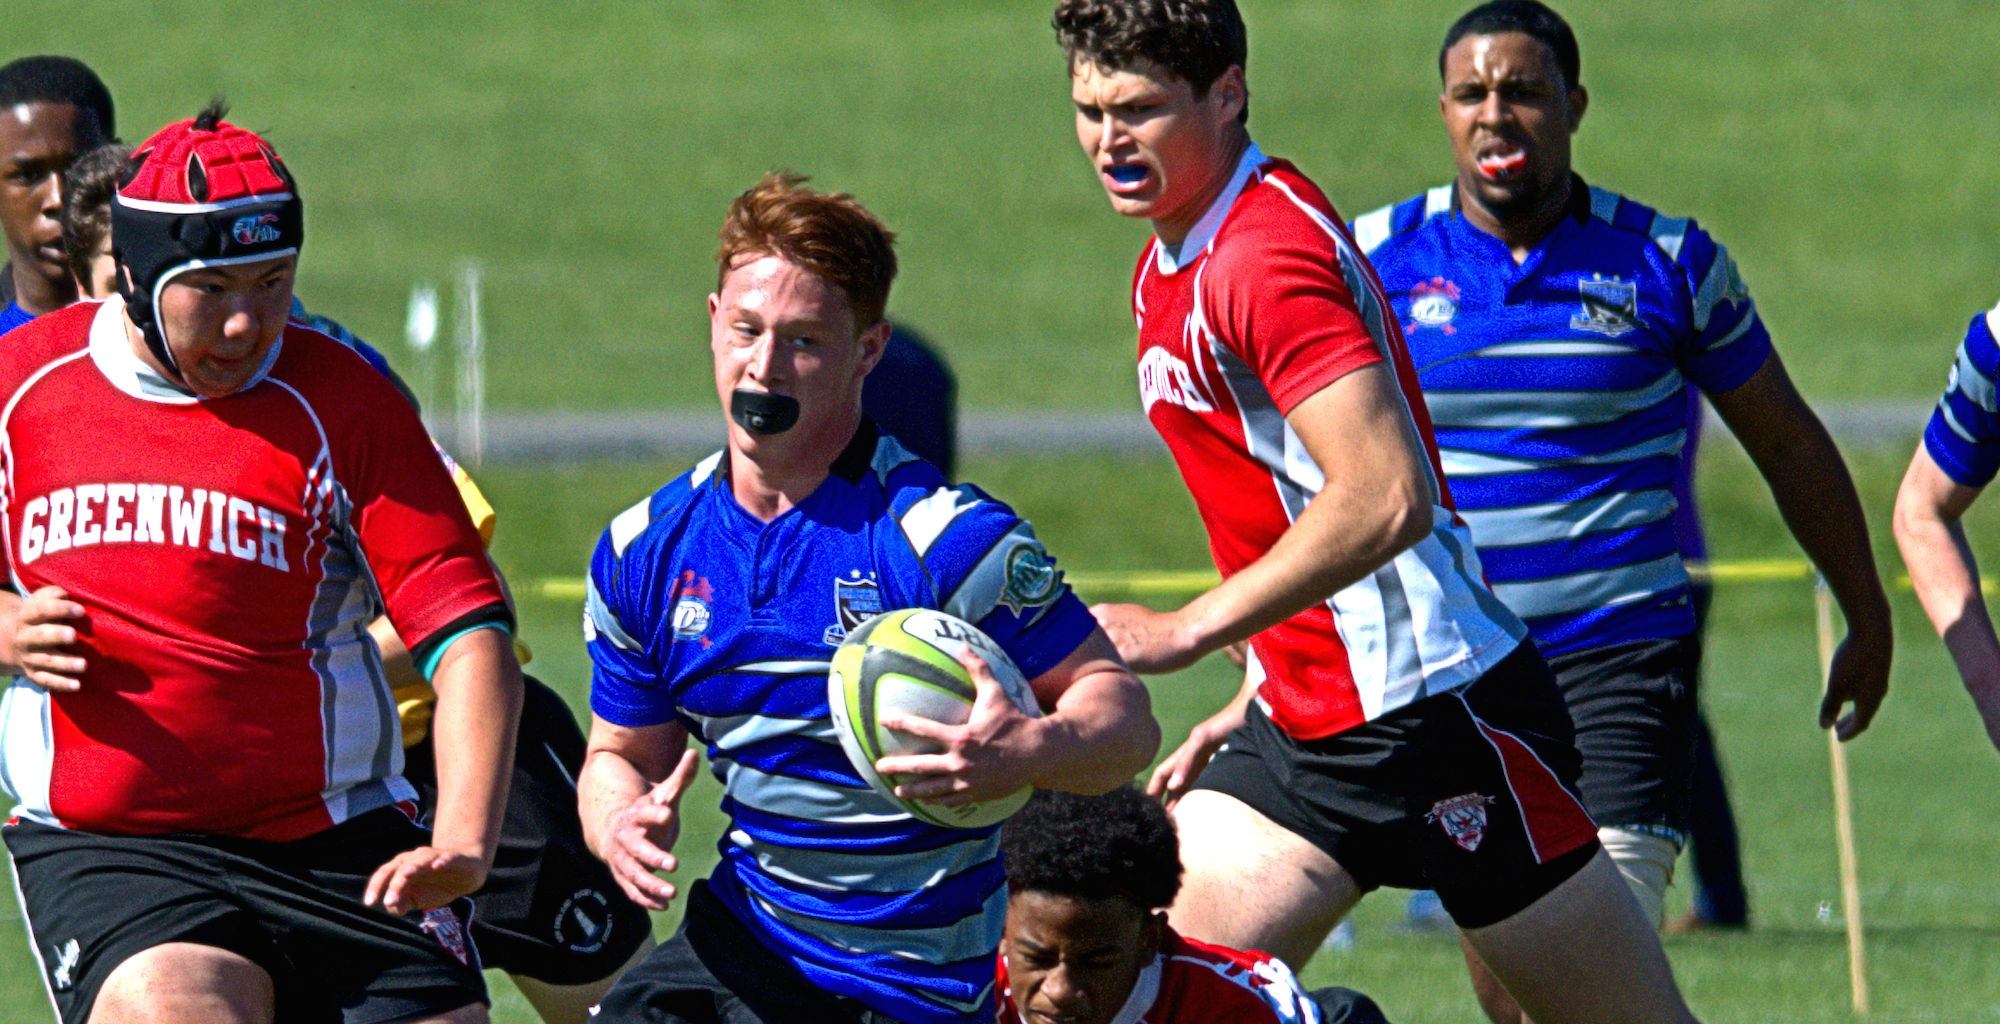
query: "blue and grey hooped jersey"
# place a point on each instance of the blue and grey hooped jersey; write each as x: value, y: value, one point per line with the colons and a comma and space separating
x: 699, y: 613
x: 1963, y: 435
x: 1557, y: 388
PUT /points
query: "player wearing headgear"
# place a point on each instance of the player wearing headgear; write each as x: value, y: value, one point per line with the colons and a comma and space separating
x: 550, y: 914
x: 713, y: 611
x: 51, y: 110
x: 1403, y: 730
x: 1954, y: 462
x: 206, y: 505
x: 1089, y: 880
x: 1556, y: 328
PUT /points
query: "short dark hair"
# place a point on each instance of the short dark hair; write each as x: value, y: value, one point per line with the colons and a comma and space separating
x: 1528, y: 17
x: 830, y: 234
x: 86, y: 210
x: 50, y: 79
x: 1094, y: 847
x: 1195, y: 40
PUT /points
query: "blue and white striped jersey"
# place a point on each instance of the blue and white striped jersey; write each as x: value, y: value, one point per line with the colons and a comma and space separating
x: 1963, y: 435
x: 1557, y: 388
x: 697, y: 612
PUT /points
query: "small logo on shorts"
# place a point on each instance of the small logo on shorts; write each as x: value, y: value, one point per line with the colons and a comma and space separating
x: 583, y: 925
x: 67, y: 955
x: 1463, y: 818
x: 443, y: 925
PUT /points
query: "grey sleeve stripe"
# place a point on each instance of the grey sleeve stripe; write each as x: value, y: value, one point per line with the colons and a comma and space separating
x: 606, y: 623
x: 983, y: 588
x: 1974, y: 385
x: 1371, y: 229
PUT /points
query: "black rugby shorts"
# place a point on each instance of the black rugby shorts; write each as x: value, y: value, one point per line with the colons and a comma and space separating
x: 1471, y: 793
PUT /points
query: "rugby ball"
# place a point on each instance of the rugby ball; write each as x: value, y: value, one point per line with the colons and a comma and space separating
x: 906, y: 662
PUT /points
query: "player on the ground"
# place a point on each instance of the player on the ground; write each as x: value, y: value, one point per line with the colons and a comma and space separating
x: 550, y: 914
x: 206, y: 505
x: 1089, y: 880
x: 1403, y: 732
x: 52, y: 109
x: 1957, y: 458
x: 713, y: 612
x: 1555, y: 329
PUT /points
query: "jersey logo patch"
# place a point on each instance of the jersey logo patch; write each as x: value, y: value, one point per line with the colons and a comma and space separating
x: 1032, y: 578
x: 67, y: 955
x: 1463, y: 818
x: 691, y: 596
x: 855, y: 601
x: 1434, y: 303
x: 1610, y: 306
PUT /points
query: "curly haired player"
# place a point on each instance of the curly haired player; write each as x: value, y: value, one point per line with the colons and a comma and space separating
x: 1089, y: 881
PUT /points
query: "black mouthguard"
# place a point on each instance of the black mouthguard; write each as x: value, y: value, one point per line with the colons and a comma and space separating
x: 761, y: 412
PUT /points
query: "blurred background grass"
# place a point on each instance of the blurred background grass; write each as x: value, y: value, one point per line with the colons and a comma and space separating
x: 583, y: 154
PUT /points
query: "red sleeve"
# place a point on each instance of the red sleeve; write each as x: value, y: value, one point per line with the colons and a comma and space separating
x: 413, y: 529
x: 1276, y: 285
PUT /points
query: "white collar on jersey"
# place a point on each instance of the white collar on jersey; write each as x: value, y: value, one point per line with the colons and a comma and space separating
x: 1211, y: 220
x: 1145, y: 992
x: 111, y: 350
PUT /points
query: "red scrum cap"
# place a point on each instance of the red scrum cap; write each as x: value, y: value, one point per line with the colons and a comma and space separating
x: 199, y: 193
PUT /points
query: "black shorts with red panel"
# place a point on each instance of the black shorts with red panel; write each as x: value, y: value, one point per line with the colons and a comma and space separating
x: 1472, y: 793
x: 292, y: 908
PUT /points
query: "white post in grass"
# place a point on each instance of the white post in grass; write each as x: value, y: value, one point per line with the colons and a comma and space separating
x: 420, y: 330
x: 471, y: 436
x: 1843, y: 816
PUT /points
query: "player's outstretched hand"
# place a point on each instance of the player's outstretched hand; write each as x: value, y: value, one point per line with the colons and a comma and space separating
x: 424, y: 879
x: 1149, y: 641
x: 643, y: 835
x: 1176, y: 775
x: 993, y: 754
x: 1860, y: 676
x: 45, y: 636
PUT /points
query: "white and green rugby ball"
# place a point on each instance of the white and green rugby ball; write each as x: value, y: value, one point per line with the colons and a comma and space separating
x: 906, y: 662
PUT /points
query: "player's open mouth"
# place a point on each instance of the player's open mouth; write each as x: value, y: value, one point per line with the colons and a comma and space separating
x: 1126, y: 177
x: 1501, y: 162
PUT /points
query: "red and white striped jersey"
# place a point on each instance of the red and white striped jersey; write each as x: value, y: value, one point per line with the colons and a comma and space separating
x: 230, y: 553
x: 1192, y: 982
x: 1266, y: 302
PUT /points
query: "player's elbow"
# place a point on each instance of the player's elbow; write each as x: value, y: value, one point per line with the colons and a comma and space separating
x: 1122, y: 748
x: 1408, y: 515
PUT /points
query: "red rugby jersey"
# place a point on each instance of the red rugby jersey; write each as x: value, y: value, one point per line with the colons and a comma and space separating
x: 1266, y: 302
x: 230, y: 553
x: 1192, y: 982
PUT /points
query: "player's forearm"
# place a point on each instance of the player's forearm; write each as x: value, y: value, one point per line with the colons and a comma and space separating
x: 1816, y: 498
x: 620, y: 765
x: 479, y: 692
x: 1100, y: 733
x: 1340, y: 539
x: 10, y: 622
x: 1945, y: 576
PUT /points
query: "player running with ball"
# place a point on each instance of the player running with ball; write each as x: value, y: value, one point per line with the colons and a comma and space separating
x: 713, y: 612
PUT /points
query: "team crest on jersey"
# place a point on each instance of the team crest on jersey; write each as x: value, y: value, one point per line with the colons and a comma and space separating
x: 855, y: 601
x: 1610, y: 306
x: 444, y: 925
x: 1434, y: 303
x: 1463, y: 818
x: 692, y: 597
x: 1032, y: 578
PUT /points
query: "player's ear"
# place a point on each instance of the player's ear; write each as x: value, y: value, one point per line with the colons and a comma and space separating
x: 874, y: 342
x: 1153, y: 934
x: 714, y: 303
x: 1579, y: 101
x: 1231, y: 91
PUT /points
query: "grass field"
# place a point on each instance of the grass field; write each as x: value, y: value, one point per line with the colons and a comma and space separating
x: 583, y: 154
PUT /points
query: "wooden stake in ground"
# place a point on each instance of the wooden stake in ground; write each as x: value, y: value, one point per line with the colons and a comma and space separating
x: 1843, y: 817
